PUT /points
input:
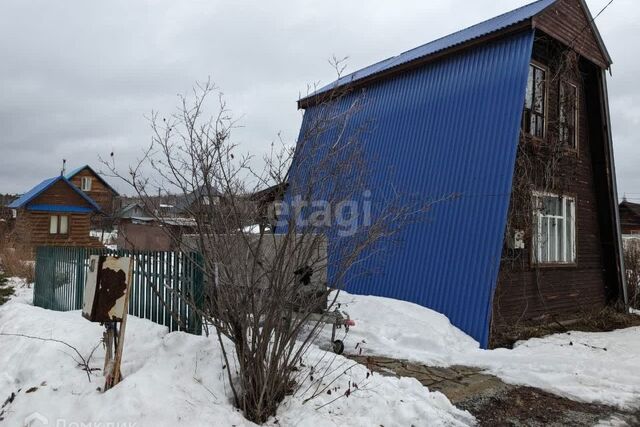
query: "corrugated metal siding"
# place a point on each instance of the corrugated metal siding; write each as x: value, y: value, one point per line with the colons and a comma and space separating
x: 451, y: 126
x: 476, y: 31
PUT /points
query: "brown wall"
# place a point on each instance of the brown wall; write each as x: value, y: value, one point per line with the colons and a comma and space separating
x: 32, y: 227
x: 567, y: 22
x: 33, y: 230
x: 100, y: 193
x: 525, y: 291
x: 143, y: 237
x: 60, y: 194
x: 629, y: 221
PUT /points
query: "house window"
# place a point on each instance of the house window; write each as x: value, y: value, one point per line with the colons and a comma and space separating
x: 554, y: 229
x: 58, y: 224
x: 533, y: 117
x: 568, y: 117
x: 85, y: 183
x: 14, y: 213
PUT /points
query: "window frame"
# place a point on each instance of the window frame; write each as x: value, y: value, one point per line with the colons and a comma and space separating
x: 536, y: 230
x: 576, y: 113
x: 87, y: 179
x: 545, y: 103
x: 55, y: 228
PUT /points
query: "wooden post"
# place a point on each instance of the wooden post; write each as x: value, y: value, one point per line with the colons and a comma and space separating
x: 115, y: 376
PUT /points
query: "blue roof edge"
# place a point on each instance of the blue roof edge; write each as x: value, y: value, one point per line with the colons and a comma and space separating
x: 59, y: 208
x: 44, y: 186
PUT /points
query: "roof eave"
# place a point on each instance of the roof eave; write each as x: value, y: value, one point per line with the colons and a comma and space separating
x: 312, y: 100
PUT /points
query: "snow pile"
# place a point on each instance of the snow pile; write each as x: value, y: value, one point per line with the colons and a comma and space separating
x: 402, y: 330
x: 178, y: 379
x: 590, y: 367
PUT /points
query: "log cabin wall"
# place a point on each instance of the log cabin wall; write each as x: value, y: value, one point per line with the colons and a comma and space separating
x: 35, y: 227
x: 60, y: 194
x: 32, y: 227
x: 526, y: 291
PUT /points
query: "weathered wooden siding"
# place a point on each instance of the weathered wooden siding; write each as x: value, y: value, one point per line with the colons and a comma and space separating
x: 60, y: 194
x: 567, y: 21
x: 525, y: 292
x: 629, y: 220
x: 33, y: 229
x: 100, y: 193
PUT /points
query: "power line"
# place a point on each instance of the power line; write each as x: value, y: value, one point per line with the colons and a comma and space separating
x: 589, y: 23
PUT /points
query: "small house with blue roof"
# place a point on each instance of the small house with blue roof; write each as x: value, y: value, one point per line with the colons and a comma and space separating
x: 510, y: 115
x: 55, y: 213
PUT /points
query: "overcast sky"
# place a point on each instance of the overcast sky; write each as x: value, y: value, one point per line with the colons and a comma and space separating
x: 77, y: 78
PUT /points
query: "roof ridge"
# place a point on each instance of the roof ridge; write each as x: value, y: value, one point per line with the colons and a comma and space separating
x: 474, y: 25
x: 460, y: 37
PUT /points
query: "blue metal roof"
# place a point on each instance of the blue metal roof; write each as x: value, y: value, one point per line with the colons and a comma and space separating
x: 59, y: 208
x: 30, y: 195
x: 33, y: 193
x: 463, y: 36
x: 448, y: 127
x: 76, y: 171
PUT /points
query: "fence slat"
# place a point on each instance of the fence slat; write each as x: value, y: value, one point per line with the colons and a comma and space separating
x: 60, y: 275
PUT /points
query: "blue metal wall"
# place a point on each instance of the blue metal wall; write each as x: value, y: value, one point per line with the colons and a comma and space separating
x: 451, y: 126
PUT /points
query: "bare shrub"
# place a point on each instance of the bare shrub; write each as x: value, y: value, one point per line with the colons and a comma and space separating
x: 267, y: 275
x: 632, y: 266
x: 16, y: 260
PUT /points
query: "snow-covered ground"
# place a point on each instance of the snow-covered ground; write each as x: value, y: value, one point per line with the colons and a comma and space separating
x: 177, y: 379
x: 590, y: 367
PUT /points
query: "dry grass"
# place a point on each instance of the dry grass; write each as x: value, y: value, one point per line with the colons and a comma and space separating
x: 605, y: 320
x: 17, y: 263
x: 15, y: 260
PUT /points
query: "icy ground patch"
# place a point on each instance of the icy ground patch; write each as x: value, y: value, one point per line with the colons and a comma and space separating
x: 590, y: 367
x: 177, y: 379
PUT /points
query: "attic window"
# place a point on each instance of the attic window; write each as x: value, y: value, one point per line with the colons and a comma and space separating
x: 568, y: 117
x: 533, y: 118
x: 85, y: 183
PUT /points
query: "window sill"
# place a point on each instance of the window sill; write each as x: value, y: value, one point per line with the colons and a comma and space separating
x: 555, y: 265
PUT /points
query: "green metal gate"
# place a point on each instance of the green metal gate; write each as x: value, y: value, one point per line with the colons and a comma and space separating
x: 165, y: 284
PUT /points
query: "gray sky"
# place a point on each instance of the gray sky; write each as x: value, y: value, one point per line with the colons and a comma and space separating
x: 77, y: 78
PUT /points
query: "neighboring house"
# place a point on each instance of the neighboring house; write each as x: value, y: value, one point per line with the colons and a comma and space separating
x: 6, y: 214
x: 197, y: 202
x: 447, y: 118
x: 630, y: 218
x: 93, y: 185
x: 132, y: 210
x: 140, y: 230
x: 54, y: 213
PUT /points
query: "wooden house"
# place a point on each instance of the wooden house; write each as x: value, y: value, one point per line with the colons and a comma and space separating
x: 54, y: 213
x: 508, y: 122
x: 630, y: 218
